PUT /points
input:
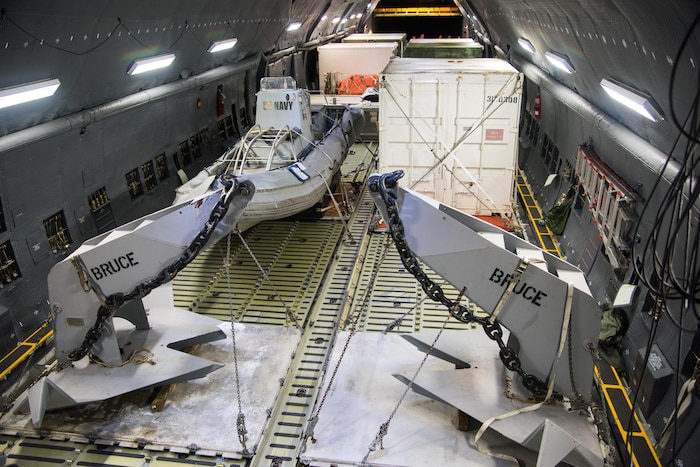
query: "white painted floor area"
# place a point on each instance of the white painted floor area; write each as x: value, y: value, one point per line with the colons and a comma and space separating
x: 199, y: 414
x: 363, y: 396
x: 423, y: 431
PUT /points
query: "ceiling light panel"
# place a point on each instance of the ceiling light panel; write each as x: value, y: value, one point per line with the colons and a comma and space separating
x: 560, y: 62
x: 526, y: 45
x: 144, y: 65
x: 633, y: 99
x: 28, y: 92
x: 218, y: 46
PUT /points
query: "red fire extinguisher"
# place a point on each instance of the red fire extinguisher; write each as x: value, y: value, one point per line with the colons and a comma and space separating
x: 219, y: 102
x: 538, y: 106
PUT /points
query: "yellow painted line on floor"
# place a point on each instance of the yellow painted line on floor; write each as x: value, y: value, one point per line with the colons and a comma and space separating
x: 535, y: 214
x: 607, y: 387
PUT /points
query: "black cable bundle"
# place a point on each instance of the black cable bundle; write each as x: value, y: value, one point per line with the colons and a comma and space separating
x: 669, y: 260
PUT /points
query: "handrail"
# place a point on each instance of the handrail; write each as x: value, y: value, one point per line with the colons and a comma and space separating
x: 237, y: 163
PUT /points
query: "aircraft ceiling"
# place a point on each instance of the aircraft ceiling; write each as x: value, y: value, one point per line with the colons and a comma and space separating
x: 90, y: 45
x: 634, y: 42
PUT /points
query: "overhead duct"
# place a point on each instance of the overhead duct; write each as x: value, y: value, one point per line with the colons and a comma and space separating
x: 637, y: 147
x: 310, y: 45
x: 101, y: 112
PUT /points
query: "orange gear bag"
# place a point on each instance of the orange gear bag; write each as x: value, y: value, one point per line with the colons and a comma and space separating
x: 357, y: 84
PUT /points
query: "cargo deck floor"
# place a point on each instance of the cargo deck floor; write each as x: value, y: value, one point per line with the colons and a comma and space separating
x: 327, y: 278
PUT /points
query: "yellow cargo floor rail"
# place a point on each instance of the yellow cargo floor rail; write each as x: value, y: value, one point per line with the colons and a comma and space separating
x: 635, y: 442
x: 544, y: 235
x: 617, y: 401
x: 25, y: 349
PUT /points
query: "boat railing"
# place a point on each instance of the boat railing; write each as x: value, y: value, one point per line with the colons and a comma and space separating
x: 247, y: 154
x: 285, y: 133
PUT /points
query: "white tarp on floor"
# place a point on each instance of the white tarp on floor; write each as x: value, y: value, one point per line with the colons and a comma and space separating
x: 198, y: 414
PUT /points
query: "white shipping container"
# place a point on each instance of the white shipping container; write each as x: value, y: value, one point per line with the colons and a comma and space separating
x: 398, y: 37
x: 452, y: 127
x: 346, y: 59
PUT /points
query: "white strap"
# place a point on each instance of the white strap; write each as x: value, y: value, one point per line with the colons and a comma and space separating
x: 550, y: 388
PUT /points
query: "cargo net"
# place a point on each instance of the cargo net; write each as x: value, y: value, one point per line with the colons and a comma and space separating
x: 357, y: 84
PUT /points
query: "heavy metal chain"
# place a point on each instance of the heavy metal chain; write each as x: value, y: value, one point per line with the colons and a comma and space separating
x: 397, y: 322
x: 570, y: 352
x: 378, y: 441
x: 240, y: 419
x: 313, y: 420
x: 116, y: 300
x: 288, y: 310
x: 386, y: 186
x: 7, y: 402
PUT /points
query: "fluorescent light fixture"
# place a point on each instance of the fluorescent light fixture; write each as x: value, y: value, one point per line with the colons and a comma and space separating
x: 143, y: 65
x: 343, y: 21
x: 293, y: 26
x: 324, y: 17
x: 218, y: 46
x: 28, y: 92
x: 335, y: 20
x: 527, y: 45
x: 560, y: 62
x: 641, y: 103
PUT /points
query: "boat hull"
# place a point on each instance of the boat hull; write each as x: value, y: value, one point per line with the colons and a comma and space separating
x: 280, y: 193
x: 285, y: 191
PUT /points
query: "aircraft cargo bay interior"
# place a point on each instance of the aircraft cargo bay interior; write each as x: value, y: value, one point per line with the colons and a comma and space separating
x: 341, y: 233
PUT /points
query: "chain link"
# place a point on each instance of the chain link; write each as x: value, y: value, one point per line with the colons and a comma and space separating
x: 7, y: 402
x: 386, y: 185
x: 116, y: 300
x: 384, y: 427
x: 240, y: 419
x: 570, y: 351
x: 313, y: 420
x: 288, y: 310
